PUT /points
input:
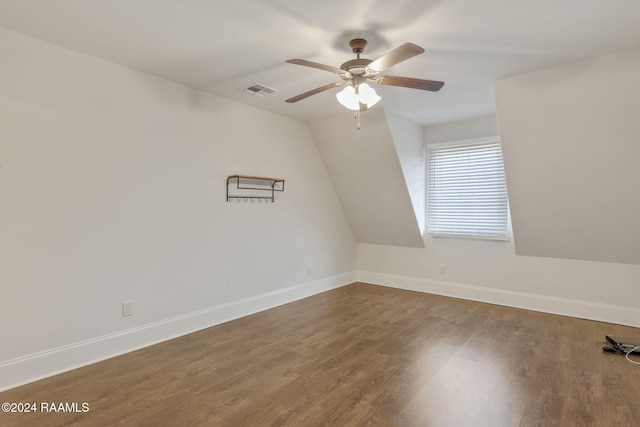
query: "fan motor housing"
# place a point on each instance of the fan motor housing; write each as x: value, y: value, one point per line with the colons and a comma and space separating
x: 356, y: 66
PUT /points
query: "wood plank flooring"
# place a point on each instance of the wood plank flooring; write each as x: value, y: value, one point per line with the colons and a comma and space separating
x: 361, y: 355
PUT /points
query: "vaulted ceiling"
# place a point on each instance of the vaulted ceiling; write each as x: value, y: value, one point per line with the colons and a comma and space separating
x: 224, y: 46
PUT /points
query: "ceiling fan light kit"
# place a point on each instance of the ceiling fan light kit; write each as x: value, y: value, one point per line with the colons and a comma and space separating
x: 356, y: 74
x: 352, y: 97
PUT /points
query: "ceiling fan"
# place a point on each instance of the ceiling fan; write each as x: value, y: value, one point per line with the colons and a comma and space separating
x: 357, y: 73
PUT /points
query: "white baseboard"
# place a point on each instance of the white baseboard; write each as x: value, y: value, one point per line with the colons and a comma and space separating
x: 33, y: 367
x: 547, y: 304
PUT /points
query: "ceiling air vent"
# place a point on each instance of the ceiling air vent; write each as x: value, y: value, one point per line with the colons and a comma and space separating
x: 258, y: 90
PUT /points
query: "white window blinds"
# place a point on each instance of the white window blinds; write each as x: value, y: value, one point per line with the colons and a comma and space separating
x: 467, y: 192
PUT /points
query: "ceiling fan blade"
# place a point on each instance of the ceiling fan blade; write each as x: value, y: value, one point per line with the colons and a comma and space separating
x: 316, y: 65
x: 410, y: 82
x: 314, y: 91
x: 397, y: 55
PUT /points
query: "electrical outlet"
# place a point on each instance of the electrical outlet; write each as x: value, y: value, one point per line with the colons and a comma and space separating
x: 308, y: 271
x: 127, y: 308
x: 443, y: 269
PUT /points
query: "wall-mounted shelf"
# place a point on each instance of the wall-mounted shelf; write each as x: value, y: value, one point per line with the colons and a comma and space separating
x: 253, y: 188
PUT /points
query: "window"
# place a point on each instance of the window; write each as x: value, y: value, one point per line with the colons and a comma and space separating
x: 466, y: 191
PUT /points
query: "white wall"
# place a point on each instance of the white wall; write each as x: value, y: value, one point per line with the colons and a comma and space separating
x: 492, y: 272
x: 112, y: 188
x: 570, y: 141
x: 408, y: 138
x: 479, y: 127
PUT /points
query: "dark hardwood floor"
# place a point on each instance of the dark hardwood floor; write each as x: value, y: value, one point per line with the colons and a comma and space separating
x: 356, y: 356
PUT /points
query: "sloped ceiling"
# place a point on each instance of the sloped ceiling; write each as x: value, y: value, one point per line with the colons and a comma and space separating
x: 223, y: 46
x: 570, y: 137
x: 368, y: 179
x: 559, y: 208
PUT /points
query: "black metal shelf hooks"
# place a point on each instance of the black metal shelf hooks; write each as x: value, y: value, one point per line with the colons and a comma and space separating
x: 250, y: 188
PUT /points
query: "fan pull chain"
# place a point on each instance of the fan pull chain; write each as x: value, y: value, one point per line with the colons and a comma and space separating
x: 356, y: 115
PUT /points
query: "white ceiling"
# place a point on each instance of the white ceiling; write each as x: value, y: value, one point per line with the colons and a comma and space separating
x: 222, y: 46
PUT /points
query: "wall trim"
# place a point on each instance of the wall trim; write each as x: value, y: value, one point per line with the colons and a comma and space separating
x: 36, y: 366
x: 543, y: 303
